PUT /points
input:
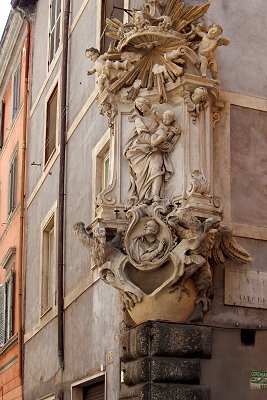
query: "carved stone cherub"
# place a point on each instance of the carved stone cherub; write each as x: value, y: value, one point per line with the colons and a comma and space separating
x: 196, y: 101
x: 103, y: 66
x: 207, y: 47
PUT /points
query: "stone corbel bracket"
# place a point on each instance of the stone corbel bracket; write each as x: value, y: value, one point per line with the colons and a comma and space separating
x: 216, y: 111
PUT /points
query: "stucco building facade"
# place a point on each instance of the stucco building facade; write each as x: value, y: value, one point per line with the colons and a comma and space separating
x: 14, y: 75
x: 73, y: 320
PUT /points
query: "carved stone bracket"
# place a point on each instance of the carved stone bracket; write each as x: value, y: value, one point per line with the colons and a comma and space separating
x: 161, y: 252
x: 216, y: 111
x: 199, y: 184
x: 108, y: 109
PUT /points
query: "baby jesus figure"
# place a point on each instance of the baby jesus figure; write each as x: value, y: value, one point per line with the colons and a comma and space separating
x: 168, y: 132
x: 165, y: 136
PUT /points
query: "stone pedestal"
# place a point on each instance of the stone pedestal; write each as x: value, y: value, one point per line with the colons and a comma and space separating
x: 161, y: 361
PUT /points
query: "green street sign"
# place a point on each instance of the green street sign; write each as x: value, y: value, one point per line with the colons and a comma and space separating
x: 258, y: 379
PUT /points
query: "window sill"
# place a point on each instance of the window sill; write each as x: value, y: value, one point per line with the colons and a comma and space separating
x: 50, y: 160
x: 9, y: 221
x: 46, y: 312
x: 53, y: 62
x: 9, y: 344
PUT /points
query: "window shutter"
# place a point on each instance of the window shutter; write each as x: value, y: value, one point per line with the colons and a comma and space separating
x: 12, y: 186
x: 10, y: 190
x: 16, y: 92
x: 51, y: 125
x: 11, y: 310
x: 2, y: 122
x: 2, y: 314
x: 96, y: 391
x: 14, y: 191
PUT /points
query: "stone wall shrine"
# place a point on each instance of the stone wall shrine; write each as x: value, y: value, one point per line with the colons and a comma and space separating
x: 158, y: 230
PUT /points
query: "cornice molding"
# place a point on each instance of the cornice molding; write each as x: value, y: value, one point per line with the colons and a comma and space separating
x: 13, y: 28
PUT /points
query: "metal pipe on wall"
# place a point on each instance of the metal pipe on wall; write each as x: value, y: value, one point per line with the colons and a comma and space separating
x: 22, y: 201
x: 61, y: 195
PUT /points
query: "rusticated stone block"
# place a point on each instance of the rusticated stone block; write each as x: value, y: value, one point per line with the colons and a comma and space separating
x: 177, y: 340
x: 162, y: 369
x: 166, y: 339
x: 134, y: 343
x: 174, y: 370
x: 163, y: 391
x: 137, y: 371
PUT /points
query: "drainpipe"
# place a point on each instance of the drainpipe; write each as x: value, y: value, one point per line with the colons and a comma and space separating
x: 61, y: 195
x: 23, y: 205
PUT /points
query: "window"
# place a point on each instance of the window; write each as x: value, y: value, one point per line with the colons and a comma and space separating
x: 102, y: 166
x: 93, y: 389
x: 12, y: 188
x: 103, y: 160
x: 54, y: 32
x: 48, y: 265
x: 109, y: 9
x: 51, y: 125
x: 105, y: 170
x: 2, y: 123
x: 7, y: 299
x: 16, y: 92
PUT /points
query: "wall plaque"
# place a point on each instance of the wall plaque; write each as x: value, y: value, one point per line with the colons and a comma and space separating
x: 245, y: 288
x: 258, y: 380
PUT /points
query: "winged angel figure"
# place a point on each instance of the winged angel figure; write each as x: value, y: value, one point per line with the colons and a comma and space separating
x: 200, y: 245
x: 213, y: 244
x: 107, y: 255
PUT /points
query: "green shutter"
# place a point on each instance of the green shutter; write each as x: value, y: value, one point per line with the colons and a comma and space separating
x: 2, y: 314
x: 2, y: 124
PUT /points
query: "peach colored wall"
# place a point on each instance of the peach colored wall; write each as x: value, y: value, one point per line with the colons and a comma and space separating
x: 10, y: 382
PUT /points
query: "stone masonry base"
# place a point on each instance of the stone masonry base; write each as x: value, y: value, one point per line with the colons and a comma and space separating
x: 161, y: 361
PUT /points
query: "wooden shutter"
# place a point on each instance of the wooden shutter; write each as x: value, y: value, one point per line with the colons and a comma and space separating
x: 16, y: 92
x: 10, y: 309
x: 2, y: 124
x: 51, y: 124
x: 12, y: 186
x: 2, y: 314
x: 95, y: 391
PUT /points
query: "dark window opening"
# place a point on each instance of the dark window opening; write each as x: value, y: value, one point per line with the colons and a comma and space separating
x: 12, y: 192
x: 248, y: 337
x: 109, y: 9
x: 51, y: 125
x: 94, y: 391
x: 2, y: 124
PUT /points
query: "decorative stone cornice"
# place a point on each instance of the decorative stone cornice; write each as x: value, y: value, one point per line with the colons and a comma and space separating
x: 11, y: 251
x: 8, y: 42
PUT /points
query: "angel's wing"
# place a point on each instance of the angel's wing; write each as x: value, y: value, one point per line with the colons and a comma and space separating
x: 83, y: 235
x: 227, y: 248
x: 223, y: 42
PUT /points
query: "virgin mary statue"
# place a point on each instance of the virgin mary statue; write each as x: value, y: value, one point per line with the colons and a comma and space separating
x: 149, y: 166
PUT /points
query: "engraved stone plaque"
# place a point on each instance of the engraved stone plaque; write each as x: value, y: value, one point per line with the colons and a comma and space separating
x: 245, y: 288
